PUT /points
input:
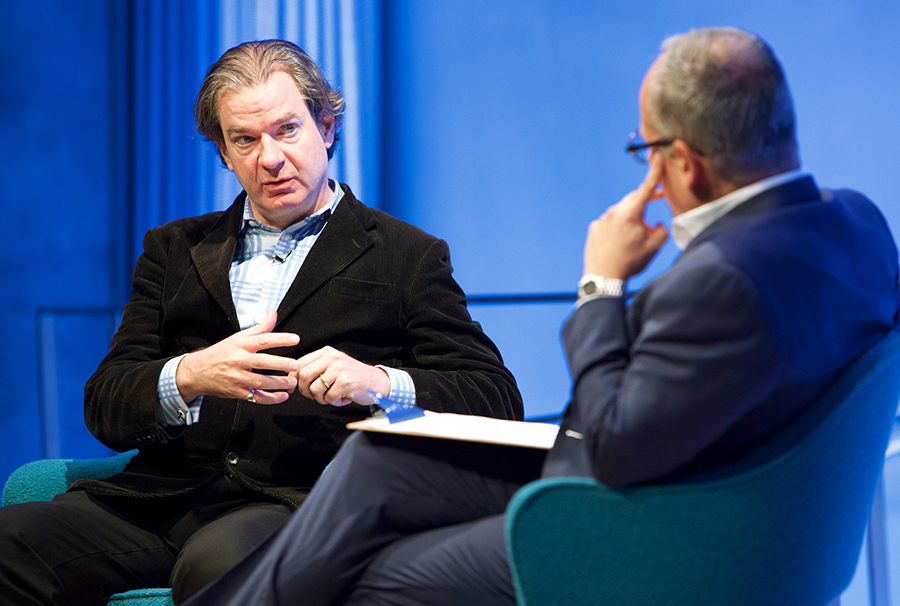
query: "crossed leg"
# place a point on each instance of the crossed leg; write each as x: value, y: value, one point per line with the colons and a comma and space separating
x: 385, y: 496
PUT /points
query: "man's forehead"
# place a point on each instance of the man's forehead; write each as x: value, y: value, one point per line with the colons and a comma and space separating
x: 243, y: 86
x: 251, y: 94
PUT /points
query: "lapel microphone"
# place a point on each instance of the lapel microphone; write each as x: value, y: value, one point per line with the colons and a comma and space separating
x: 278, y: 259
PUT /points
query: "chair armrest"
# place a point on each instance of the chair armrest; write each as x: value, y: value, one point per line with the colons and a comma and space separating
x: 44, y: 479
x: 541, y: 544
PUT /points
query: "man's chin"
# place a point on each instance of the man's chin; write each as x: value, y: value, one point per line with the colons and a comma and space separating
x: 282, y: 211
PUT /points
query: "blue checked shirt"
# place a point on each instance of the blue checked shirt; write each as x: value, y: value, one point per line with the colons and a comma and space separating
x: 264, y: 266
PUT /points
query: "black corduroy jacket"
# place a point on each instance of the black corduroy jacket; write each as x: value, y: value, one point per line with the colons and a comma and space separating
x: 374, y: 287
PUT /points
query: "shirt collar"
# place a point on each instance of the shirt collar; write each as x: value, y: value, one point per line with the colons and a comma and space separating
x: 688, y: 225
x: 323, y: 214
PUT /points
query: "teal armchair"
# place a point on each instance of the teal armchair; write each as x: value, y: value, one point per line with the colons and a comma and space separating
x: 44, y: 479
x: 784, y: 526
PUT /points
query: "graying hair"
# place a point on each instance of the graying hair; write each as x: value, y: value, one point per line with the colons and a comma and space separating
x: 722, y: 91
x: 251, y: 64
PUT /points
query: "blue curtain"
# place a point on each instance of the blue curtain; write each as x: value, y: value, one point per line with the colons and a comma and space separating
x: 172, y: 172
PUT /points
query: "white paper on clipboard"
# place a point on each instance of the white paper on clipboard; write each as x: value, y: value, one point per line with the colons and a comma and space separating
x: 469, y: 428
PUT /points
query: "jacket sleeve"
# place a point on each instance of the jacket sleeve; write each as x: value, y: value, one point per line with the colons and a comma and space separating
x: 121, y: 397
x: 454, y: 366
x: 649, y: 401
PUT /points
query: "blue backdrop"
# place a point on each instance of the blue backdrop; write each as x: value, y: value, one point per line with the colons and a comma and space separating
x: 498, y: 126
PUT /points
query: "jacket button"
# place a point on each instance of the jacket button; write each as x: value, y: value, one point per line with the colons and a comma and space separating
x: 232, y: 458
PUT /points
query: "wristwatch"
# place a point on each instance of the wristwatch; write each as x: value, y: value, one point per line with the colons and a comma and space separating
x: 593, y: 286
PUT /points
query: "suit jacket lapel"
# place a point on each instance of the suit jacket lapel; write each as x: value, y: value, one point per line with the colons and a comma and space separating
x: 347, y: 235
x: 213, y: 254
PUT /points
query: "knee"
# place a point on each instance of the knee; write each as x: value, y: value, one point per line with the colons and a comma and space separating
x: 25, y: 574
x: 219, y: 546
x: 19, y: 525
x: 196, y: 568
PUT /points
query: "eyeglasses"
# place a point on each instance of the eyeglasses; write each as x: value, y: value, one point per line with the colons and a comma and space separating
x: 640, y: 149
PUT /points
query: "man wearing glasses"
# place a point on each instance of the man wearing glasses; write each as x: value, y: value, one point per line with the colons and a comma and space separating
x: 779, y: 287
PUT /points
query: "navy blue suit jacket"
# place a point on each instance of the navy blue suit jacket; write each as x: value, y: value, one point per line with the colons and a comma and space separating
x: 761, y: 312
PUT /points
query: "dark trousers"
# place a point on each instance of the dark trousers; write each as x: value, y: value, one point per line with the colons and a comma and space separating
x: 78, y: 549
x: 393, y: 520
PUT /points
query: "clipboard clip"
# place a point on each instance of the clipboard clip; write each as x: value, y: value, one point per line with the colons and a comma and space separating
x: 394, y: 411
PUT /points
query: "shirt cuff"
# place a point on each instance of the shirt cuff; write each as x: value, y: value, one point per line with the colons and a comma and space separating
x: 402, y: 389
x: 172, y: 409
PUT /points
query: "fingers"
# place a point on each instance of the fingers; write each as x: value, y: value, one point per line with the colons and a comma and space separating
x: 269, y: 341
x: 647, y: 191
x: 274, y: 392
x: 230, y: 369
x: 267, y: 324
x: 261, y: 336
x: 262, y: 361
x: 318, y: 376
x: 329, y: 376
x: 620, y: 244
x: 330, y: 392
x: 651, y: 180
x: 269, y: 388
x: 656, y: 237
x: 240, y: 383
x: 226, y: 369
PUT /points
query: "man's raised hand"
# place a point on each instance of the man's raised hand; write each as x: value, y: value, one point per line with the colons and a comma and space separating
x: 226, y: 369
x: 620, y: 244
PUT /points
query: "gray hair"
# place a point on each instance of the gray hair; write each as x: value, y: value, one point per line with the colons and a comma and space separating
x: 251, y: 64
x: 722, y: 91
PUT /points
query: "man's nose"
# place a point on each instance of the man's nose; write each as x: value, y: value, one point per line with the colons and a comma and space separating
x: 270, y: 154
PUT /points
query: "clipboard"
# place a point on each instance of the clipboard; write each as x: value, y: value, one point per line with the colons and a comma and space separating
x: 468, y: 428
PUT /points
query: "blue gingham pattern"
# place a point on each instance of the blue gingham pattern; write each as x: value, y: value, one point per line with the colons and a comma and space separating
x: 264, y: 266
x: 267, y: 260
x: 402, y: 389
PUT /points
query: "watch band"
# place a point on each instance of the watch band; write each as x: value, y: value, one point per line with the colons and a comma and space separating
x: 592, y: 286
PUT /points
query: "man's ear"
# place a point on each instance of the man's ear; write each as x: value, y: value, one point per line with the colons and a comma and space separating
x: 326, y: 128
x: 224, y: 155
x: 694, y: 170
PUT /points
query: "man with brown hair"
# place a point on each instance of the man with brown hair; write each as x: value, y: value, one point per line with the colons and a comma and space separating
x: 252, y: 337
